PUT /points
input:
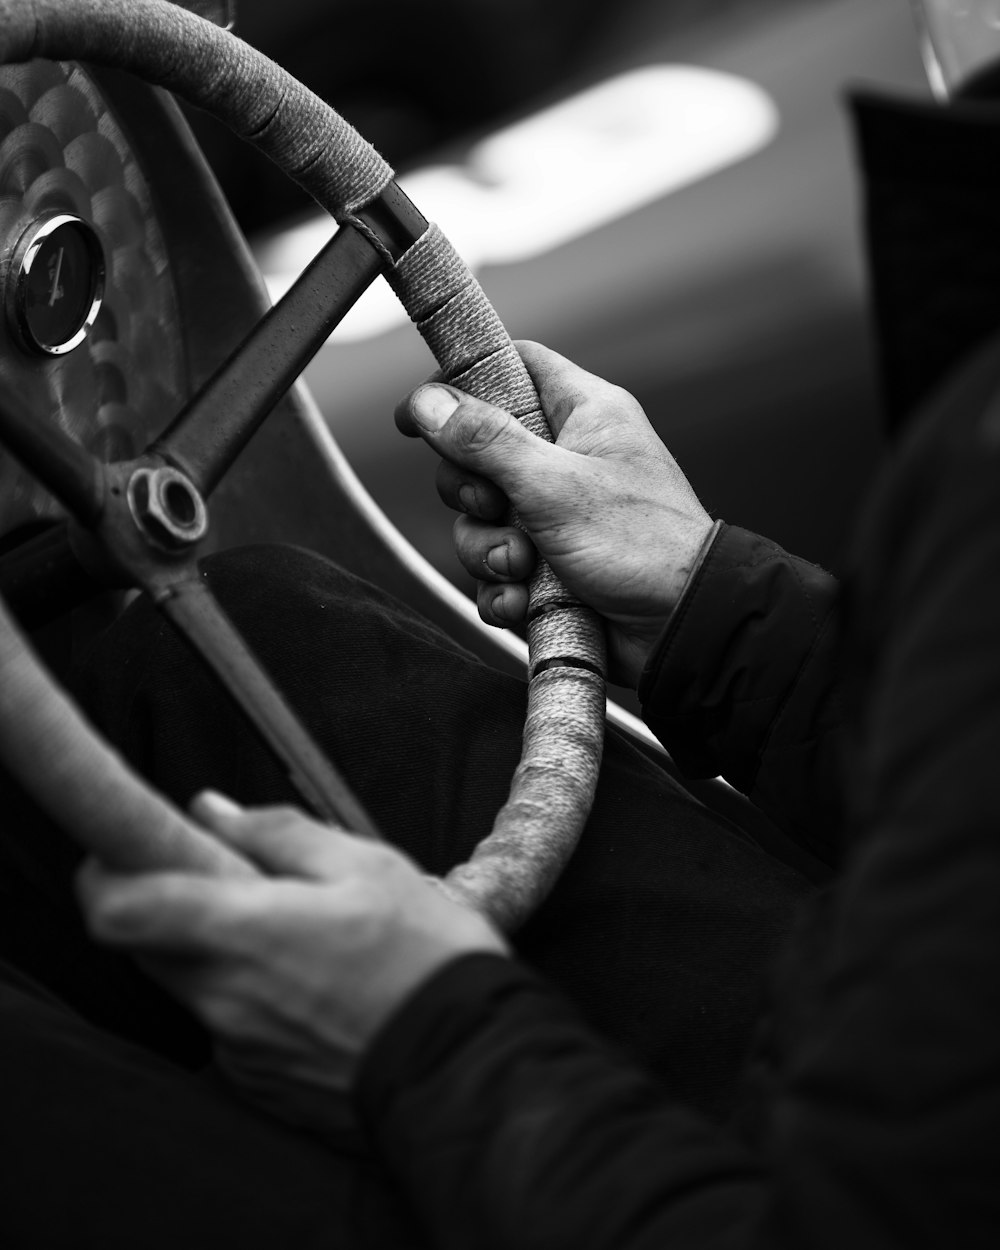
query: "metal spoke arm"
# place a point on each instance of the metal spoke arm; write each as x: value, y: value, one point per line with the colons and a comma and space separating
x: 145, y: 535
x: 149, y: 531
x: 216, y: 425
x: 140, y: 521
x: 190, y: 607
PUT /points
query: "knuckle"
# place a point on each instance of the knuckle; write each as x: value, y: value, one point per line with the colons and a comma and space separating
x: 281, y: 815
x: 472, y: 543
x: 382, y: 860
x: 489, y: 599
x: 264, y: 825
x: 470, y: 562
x: 369, y: 895
x: 447, y: 478
x: 626, y: 403
x: 105, y: 917
x: 475, y: 434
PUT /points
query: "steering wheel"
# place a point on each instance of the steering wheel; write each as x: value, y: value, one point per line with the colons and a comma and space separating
x: 145, y: 516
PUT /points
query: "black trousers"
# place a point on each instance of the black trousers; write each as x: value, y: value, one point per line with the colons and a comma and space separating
x: 660, y: 929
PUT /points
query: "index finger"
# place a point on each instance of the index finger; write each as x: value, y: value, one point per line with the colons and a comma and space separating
x: 166, y: 911
x: 566, y: 389
x: 283, y: 841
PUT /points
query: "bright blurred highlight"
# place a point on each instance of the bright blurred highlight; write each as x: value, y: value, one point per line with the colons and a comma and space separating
x: 959, y: 39
x: 565, y: 171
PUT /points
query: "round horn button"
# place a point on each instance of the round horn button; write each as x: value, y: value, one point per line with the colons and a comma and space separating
x: 55, y: 284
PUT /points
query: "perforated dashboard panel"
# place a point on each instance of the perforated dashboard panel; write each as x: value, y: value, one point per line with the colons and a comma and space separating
x: 62, y: 149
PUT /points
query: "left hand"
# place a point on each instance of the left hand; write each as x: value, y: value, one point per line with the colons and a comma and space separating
x: 294, y: 973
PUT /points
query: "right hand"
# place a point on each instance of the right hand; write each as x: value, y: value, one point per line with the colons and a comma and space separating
x: 606, y: 505
x: 296, y: 966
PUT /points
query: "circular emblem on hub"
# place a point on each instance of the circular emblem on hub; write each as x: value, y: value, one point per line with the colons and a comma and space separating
x: 55, y: 284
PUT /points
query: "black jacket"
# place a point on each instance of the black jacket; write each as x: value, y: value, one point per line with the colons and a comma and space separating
x: 869, y: 729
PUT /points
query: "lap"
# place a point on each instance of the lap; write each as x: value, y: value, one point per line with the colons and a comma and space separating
x: 107, y: 1144
x: 667, y: 915
x: 660, y: 928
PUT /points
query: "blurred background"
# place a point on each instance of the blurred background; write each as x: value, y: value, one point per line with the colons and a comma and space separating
x: 662, y: 190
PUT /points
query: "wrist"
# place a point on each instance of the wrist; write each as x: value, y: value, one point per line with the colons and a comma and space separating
x: 632, y: 642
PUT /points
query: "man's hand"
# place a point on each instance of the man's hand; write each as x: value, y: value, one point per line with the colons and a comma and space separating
x: 606, y: 505
x: 294, y: 974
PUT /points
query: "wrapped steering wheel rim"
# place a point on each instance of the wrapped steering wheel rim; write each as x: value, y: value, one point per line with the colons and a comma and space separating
x: 43, y: 738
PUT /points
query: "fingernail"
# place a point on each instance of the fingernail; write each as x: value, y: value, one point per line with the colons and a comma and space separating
x: 432, y: 406
x: 498, y: 559
x: 467, y: 498
x: 497, y: 606
x: 215, y: 804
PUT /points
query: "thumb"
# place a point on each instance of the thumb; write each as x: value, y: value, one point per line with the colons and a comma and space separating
x: 478, y: 436
x: 282, y: 841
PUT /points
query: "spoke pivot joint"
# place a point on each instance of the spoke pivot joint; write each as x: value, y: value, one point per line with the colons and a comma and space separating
x: 166, y: 507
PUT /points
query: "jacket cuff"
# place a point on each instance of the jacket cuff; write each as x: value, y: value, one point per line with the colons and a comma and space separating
x: 726, y: 666
x: 434, y: 1023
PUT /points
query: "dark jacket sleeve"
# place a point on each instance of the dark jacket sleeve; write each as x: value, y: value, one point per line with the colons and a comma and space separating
x: 513, y: 1126
x: 743, y: 683
x: 877, y: 1119
x: 877, y: 1122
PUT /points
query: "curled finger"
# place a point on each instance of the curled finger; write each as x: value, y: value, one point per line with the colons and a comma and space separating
x: 502, y: 606
x: 281, y: 840
x: 463, y: 491
x: 166, y: 911
x: 493, y: 553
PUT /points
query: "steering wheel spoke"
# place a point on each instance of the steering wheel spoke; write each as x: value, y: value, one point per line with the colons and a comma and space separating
x: 208, y: 435
x: 216, y: 425
x: 194, y: 612
x: 535, y: 832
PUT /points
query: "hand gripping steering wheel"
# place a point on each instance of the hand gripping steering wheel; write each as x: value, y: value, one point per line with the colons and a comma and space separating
x: 147, y: 515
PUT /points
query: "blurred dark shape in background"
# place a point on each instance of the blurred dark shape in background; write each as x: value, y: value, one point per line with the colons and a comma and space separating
x: 409, y: 76
x: 414, y: 76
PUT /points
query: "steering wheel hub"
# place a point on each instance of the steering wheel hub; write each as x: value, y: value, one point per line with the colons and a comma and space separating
x: 167, y: 508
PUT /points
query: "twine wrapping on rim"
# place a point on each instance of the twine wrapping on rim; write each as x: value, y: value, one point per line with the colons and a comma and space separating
x: 535, y: 832
x: 552, y: 790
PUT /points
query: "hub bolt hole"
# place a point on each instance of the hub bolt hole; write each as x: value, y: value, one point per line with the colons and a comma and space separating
x: 179, y: 503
